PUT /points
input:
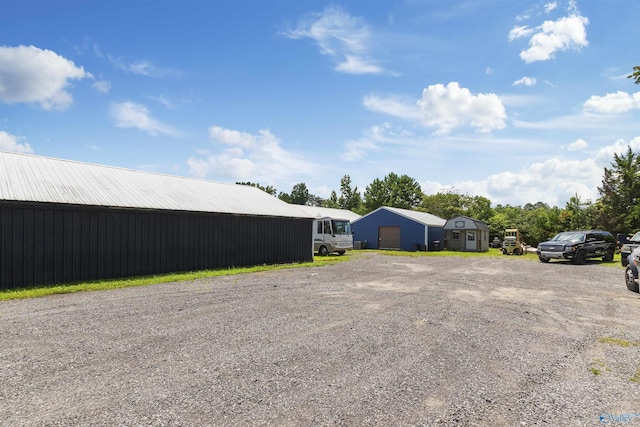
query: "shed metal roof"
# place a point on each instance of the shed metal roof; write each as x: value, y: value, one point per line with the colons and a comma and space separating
x: 421, y: 217
x: 317, y: 211
x: 32, y: 178
x: 477, y: 224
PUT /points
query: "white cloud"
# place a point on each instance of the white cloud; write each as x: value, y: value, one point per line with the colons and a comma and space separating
x: 131, y: 115
x: 374, y: 137
x: 142, y: 67
x: 29, y: 74
x: 198, y: 167
x: 531, y: 184
x: 525, y: 81
x: 393, y: 107
x: 550, y: 6
x: 519, y: 32
x: 613, y: 103
x: 433, y: 187
x: 604, y: 157
x: 573, y: 8
x: 102, y: 86
x: 578, y: 144
x: 581, y: 121
x: 448, y: 107
x: 357, y: 65
x: 253, y: 157
x: 234, y: 137
x: 162, y: 100
x: 341, y: 36
x: 356, y: 149
x: 552, y: 36
x: 13, y: 143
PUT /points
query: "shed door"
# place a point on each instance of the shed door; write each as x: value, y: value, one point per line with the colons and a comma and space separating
x: 389, y: 237
x: 471, y: 241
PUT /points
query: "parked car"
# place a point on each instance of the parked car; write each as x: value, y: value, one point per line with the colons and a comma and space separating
x: 578, y: 246
x: 628, y: 247
x: 631, y: 272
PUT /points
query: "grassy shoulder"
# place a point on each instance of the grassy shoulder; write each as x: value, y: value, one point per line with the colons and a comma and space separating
x: 318, y: 261
x: 491, y: 253
x: 103, y: 285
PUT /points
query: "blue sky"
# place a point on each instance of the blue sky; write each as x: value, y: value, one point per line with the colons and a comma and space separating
x: 517, y: 101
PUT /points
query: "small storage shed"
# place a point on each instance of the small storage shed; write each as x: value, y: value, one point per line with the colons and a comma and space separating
x: 466, y: 234
x: 63, y: 221
x: 399, y: 229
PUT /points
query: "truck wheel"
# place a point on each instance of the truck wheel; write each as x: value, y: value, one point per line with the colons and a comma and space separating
x: 341, y: 252
x: 323, y: 251
x: 632, y: 285
x: 543, y: 258
x: 580, y: 258
x: 609, y: 256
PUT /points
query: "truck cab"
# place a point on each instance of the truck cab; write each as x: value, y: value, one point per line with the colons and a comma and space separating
x: 332, y: 235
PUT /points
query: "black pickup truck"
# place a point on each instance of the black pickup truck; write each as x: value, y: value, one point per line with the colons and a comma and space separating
x: 578, y: 246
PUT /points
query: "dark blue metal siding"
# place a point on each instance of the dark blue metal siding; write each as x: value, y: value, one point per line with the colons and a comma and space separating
x: 366, y: 228
x: 412, y: 233
x: 435, y: 234
x: 363, y: 230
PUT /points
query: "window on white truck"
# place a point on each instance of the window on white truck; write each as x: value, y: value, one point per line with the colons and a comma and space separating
x: 327, y: 227
x: 341, y: 227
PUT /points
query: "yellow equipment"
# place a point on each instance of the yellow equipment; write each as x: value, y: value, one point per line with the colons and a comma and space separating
x: 512, y: 245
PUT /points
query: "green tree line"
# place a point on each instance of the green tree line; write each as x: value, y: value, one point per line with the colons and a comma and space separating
x: 616, y: 210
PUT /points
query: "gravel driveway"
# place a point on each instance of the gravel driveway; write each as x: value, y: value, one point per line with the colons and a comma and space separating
x: 378, y: 340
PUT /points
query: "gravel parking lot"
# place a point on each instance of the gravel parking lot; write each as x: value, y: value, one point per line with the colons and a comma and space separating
x: 378, y: 340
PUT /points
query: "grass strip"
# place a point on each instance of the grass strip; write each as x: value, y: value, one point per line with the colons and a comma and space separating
x: 103, y: 285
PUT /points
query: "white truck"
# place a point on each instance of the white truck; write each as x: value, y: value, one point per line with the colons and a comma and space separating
x: 332, y: 235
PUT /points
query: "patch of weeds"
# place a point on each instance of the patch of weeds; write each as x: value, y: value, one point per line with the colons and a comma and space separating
x: 599, y: 367
x: 617, y: 341
x: 636, y: 376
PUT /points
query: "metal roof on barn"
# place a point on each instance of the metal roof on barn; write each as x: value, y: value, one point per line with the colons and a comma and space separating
x: 317, y: 212
x: 29, y: 178
x: 417, y: 216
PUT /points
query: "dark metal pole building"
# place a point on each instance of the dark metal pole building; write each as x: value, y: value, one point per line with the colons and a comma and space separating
x: 64, y: 222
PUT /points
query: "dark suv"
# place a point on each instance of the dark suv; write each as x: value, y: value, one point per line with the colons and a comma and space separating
x: 628, y: 246
x: 578, y: 246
